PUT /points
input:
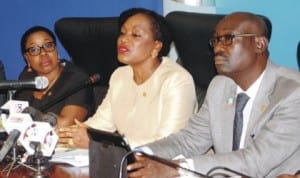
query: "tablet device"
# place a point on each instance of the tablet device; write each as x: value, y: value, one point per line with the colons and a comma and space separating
x: 110, y: 139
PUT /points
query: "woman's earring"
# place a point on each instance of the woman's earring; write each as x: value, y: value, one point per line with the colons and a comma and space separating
x: 154, y: 54
x: 29, y: 69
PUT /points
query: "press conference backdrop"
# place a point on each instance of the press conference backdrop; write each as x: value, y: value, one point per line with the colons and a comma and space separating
x: 18, y: 15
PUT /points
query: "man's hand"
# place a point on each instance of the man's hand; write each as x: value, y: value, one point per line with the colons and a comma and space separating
x: 147, y: 168
x: 289, y: 176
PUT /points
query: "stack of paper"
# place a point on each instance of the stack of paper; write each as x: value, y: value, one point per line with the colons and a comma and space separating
x: 75, y: 157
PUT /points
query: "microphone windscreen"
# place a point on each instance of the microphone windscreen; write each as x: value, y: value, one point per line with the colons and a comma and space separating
x: 4, y: 111
x: 34, y: 113
x: 51, y: 118
x: 9, y: 143
x: 41, y: 82
x: 37, y: 115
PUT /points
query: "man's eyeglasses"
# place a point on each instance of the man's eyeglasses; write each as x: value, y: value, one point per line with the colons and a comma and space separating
x: 226, y: 40
x: 36, y: 50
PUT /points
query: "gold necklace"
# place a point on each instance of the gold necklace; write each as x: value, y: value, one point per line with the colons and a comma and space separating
x: 43, y: 93
x: 50, y: 86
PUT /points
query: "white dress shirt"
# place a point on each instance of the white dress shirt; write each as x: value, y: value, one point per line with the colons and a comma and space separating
x: 251, y: 92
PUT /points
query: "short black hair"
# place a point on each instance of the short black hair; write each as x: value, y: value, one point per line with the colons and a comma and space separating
x: 33, y: 30
x: 267, y: 28
x: 158, y: 22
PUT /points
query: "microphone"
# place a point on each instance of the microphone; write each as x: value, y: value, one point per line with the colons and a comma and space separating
x: 51, y: 118
x: 39, y: 82
x: 212, y: 173
x: 9, y: 143
x: 160, y: 160
x: 37, y: 115
x: 91, y: 80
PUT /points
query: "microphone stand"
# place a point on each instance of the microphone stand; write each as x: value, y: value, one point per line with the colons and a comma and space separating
x: 38, y: 155
x: 37, y: 172
x: 15, y: 161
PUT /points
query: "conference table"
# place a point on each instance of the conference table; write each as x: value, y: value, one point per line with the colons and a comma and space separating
x: 53, y: 170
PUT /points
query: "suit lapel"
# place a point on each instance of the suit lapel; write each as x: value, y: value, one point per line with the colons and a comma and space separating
x: 261, y: 101
x: 228, y: 115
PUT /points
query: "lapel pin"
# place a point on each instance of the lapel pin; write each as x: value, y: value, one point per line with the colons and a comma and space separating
x: 229, y: 101
x: 262, y: 107
x: 144, y: 94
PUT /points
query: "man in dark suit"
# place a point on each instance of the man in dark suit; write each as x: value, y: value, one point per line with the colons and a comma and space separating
x: 269, y: 140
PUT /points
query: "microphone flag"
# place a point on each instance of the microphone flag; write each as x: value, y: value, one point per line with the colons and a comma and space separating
x: 31, y: 131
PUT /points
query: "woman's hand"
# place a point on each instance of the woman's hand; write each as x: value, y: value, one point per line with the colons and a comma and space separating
x: 73, y: 136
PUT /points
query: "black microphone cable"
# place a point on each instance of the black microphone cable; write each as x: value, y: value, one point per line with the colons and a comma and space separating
x: 211, y: 173
x: 160, y: 160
